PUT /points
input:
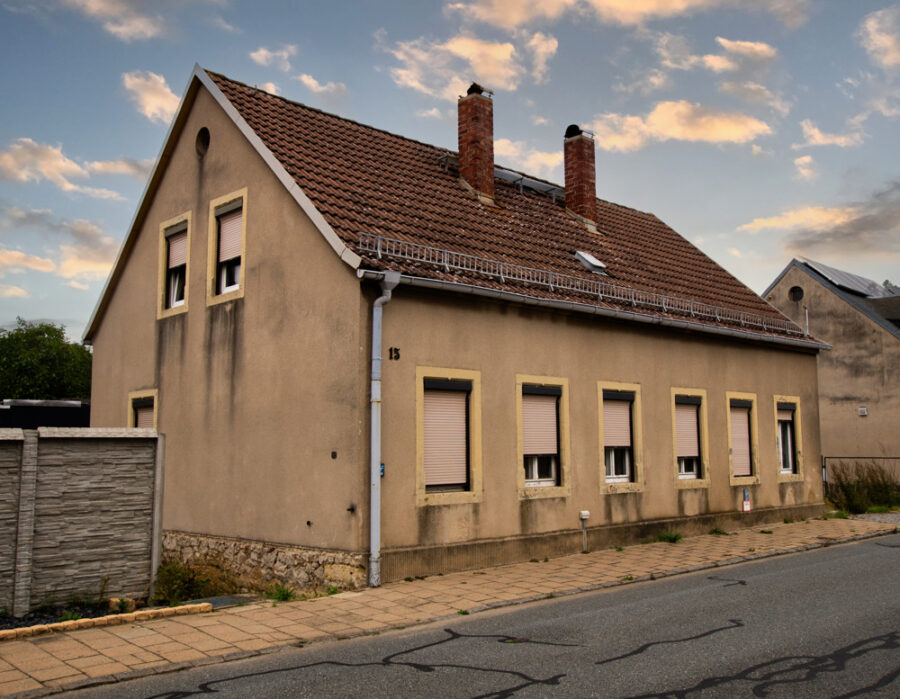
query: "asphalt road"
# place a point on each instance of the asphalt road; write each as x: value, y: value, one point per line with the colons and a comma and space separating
x: 825, y: 623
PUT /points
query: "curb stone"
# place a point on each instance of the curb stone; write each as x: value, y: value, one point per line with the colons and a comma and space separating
x: 108, y: 620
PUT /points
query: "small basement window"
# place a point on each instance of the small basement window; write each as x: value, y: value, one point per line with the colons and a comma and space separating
x: 590, y: 262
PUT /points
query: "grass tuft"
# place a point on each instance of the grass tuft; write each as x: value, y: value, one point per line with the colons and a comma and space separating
x: 718, y: 531
x: 281, y: 593
x: 670, y: 537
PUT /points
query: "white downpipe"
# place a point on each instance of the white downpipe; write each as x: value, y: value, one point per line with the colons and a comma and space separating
x: 388, y: 282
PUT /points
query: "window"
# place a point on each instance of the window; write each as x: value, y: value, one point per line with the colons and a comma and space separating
x: 176, y: 265
x: 787, y: 455
x: 446, y: 433
x: 540, y: 435
x: 618, y: 452
x: 226, y: 270
x: 687, y: 435
x: 448, y: 436
x: 741, y: 456
x: 142, y: 409
x: 228, y: 244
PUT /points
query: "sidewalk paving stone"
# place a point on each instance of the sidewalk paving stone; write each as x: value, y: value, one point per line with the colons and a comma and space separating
x: 66, y: 660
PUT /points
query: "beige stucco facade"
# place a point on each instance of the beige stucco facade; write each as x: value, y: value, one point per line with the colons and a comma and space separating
x: 862, y: 370
x: 264, y: 396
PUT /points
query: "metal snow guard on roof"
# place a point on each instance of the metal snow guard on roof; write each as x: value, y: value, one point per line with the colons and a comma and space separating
x: 448, y: 260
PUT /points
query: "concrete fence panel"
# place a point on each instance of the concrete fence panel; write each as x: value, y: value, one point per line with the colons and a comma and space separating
x: 86, y: 520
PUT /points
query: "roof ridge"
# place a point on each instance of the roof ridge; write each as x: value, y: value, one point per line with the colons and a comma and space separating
x: 413, y: 140
x: 328, y: 114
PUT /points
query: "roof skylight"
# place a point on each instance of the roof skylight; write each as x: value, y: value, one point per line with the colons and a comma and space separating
x: 591, y: 262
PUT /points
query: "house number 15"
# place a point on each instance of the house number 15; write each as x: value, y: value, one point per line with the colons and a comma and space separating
x: 393, y: 353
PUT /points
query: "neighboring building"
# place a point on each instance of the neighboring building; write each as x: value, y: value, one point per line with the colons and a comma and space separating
x: 30, y: 414
x: 859, y: 379
x: 545, y: 353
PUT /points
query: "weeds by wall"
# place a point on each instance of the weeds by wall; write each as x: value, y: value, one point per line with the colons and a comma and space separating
x: 858, y: 487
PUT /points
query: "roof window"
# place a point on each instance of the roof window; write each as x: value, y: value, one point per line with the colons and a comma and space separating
x: 591, y: 262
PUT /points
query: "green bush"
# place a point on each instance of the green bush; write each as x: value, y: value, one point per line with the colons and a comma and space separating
x: 177, y: 583
x: 857, y: 487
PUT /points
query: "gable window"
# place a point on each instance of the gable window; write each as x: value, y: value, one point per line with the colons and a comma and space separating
x: 176, y: 265
x: 142, y: 409
x: 446, y: 434
x: 687, y: 435
x: 741, y: 452
x: 228, y: 268
x: 787, y: 454
x: 540, y: 435
x: 618, y: 451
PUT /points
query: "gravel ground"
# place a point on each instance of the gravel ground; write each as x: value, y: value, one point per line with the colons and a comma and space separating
x: 885, y: 517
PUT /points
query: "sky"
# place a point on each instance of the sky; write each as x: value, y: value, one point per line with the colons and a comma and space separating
x: 760, y: 131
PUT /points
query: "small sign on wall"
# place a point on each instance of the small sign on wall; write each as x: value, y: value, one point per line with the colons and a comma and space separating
x: 745, y: 506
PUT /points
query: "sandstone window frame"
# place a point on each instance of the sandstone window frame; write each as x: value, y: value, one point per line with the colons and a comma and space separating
x: 698, y: 397
x: 796, y: 474
x: 636, y: 482
x: 735, y: 399
x: 474, y: 492
x: 563, y: 487
x: 218, y: 208
x: 167, y: 229
x: 138, y: 401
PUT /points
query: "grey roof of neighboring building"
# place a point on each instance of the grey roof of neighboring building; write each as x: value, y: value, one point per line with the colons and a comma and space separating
x: 870, y: 298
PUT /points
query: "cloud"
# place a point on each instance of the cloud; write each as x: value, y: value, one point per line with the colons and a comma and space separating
x: 754, y: 50
x: 151, y: 94
x: 270, y: 87
x: 718, y: 64
x: 224, y: 25
x: 434, y: 68
x: 125, y: 19
x: 138, y: 169
x: 538, y: 120
x: 759, y: 151
x: 873, y: 229
x: 28, y: 161
x: 330, y: 89
x: 16, y: 259
x: 645, y: 83
x: 433, y: 113
x: 879, y: 35
x: 756, y: 93
x: 813, y: 136
x: 84, y: 251
x: 679, y: 121
x: 804, y: 217
x: 527, y: 159
x: 279, y: 59
x: 509, y: 14
x: 543, y: 48
x: 804, y: 165
x: 13, y: 292
x: 734, y: 252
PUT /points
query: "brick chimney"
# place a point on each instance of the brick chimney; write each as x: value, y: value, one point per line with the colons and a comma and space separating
x: 581, y: 184
x: 476, y: 139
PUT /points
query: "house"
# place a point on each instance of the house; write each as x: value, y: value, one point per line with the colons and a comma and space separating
x: 859, y: 379
x: 374, y: 357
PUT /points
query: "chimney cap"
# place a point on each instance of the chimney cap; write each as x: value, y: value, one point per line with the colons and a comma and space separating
x: 573, y: 130
x: 476, y: 89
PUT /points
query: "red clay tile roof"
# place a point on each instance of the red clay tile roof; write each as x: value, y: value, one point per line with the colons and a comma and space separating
x: 367, y: 181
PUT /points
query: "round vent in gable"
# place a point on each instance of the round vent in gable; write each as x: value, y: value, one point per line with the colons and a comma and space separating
x: 796, y: 293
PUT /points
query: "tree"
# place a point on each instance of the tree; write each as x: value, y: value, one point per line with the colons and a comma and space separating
x: 37, y: 362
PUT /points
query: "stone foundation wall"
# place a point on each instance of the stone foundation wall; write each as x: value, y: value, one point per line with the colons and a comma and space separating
x: 262, y: 563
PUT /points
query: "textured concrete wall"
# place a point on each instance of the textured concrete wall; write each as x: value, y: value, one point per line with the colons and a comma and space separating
x: 10, y: 458
x: 76, y: 515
